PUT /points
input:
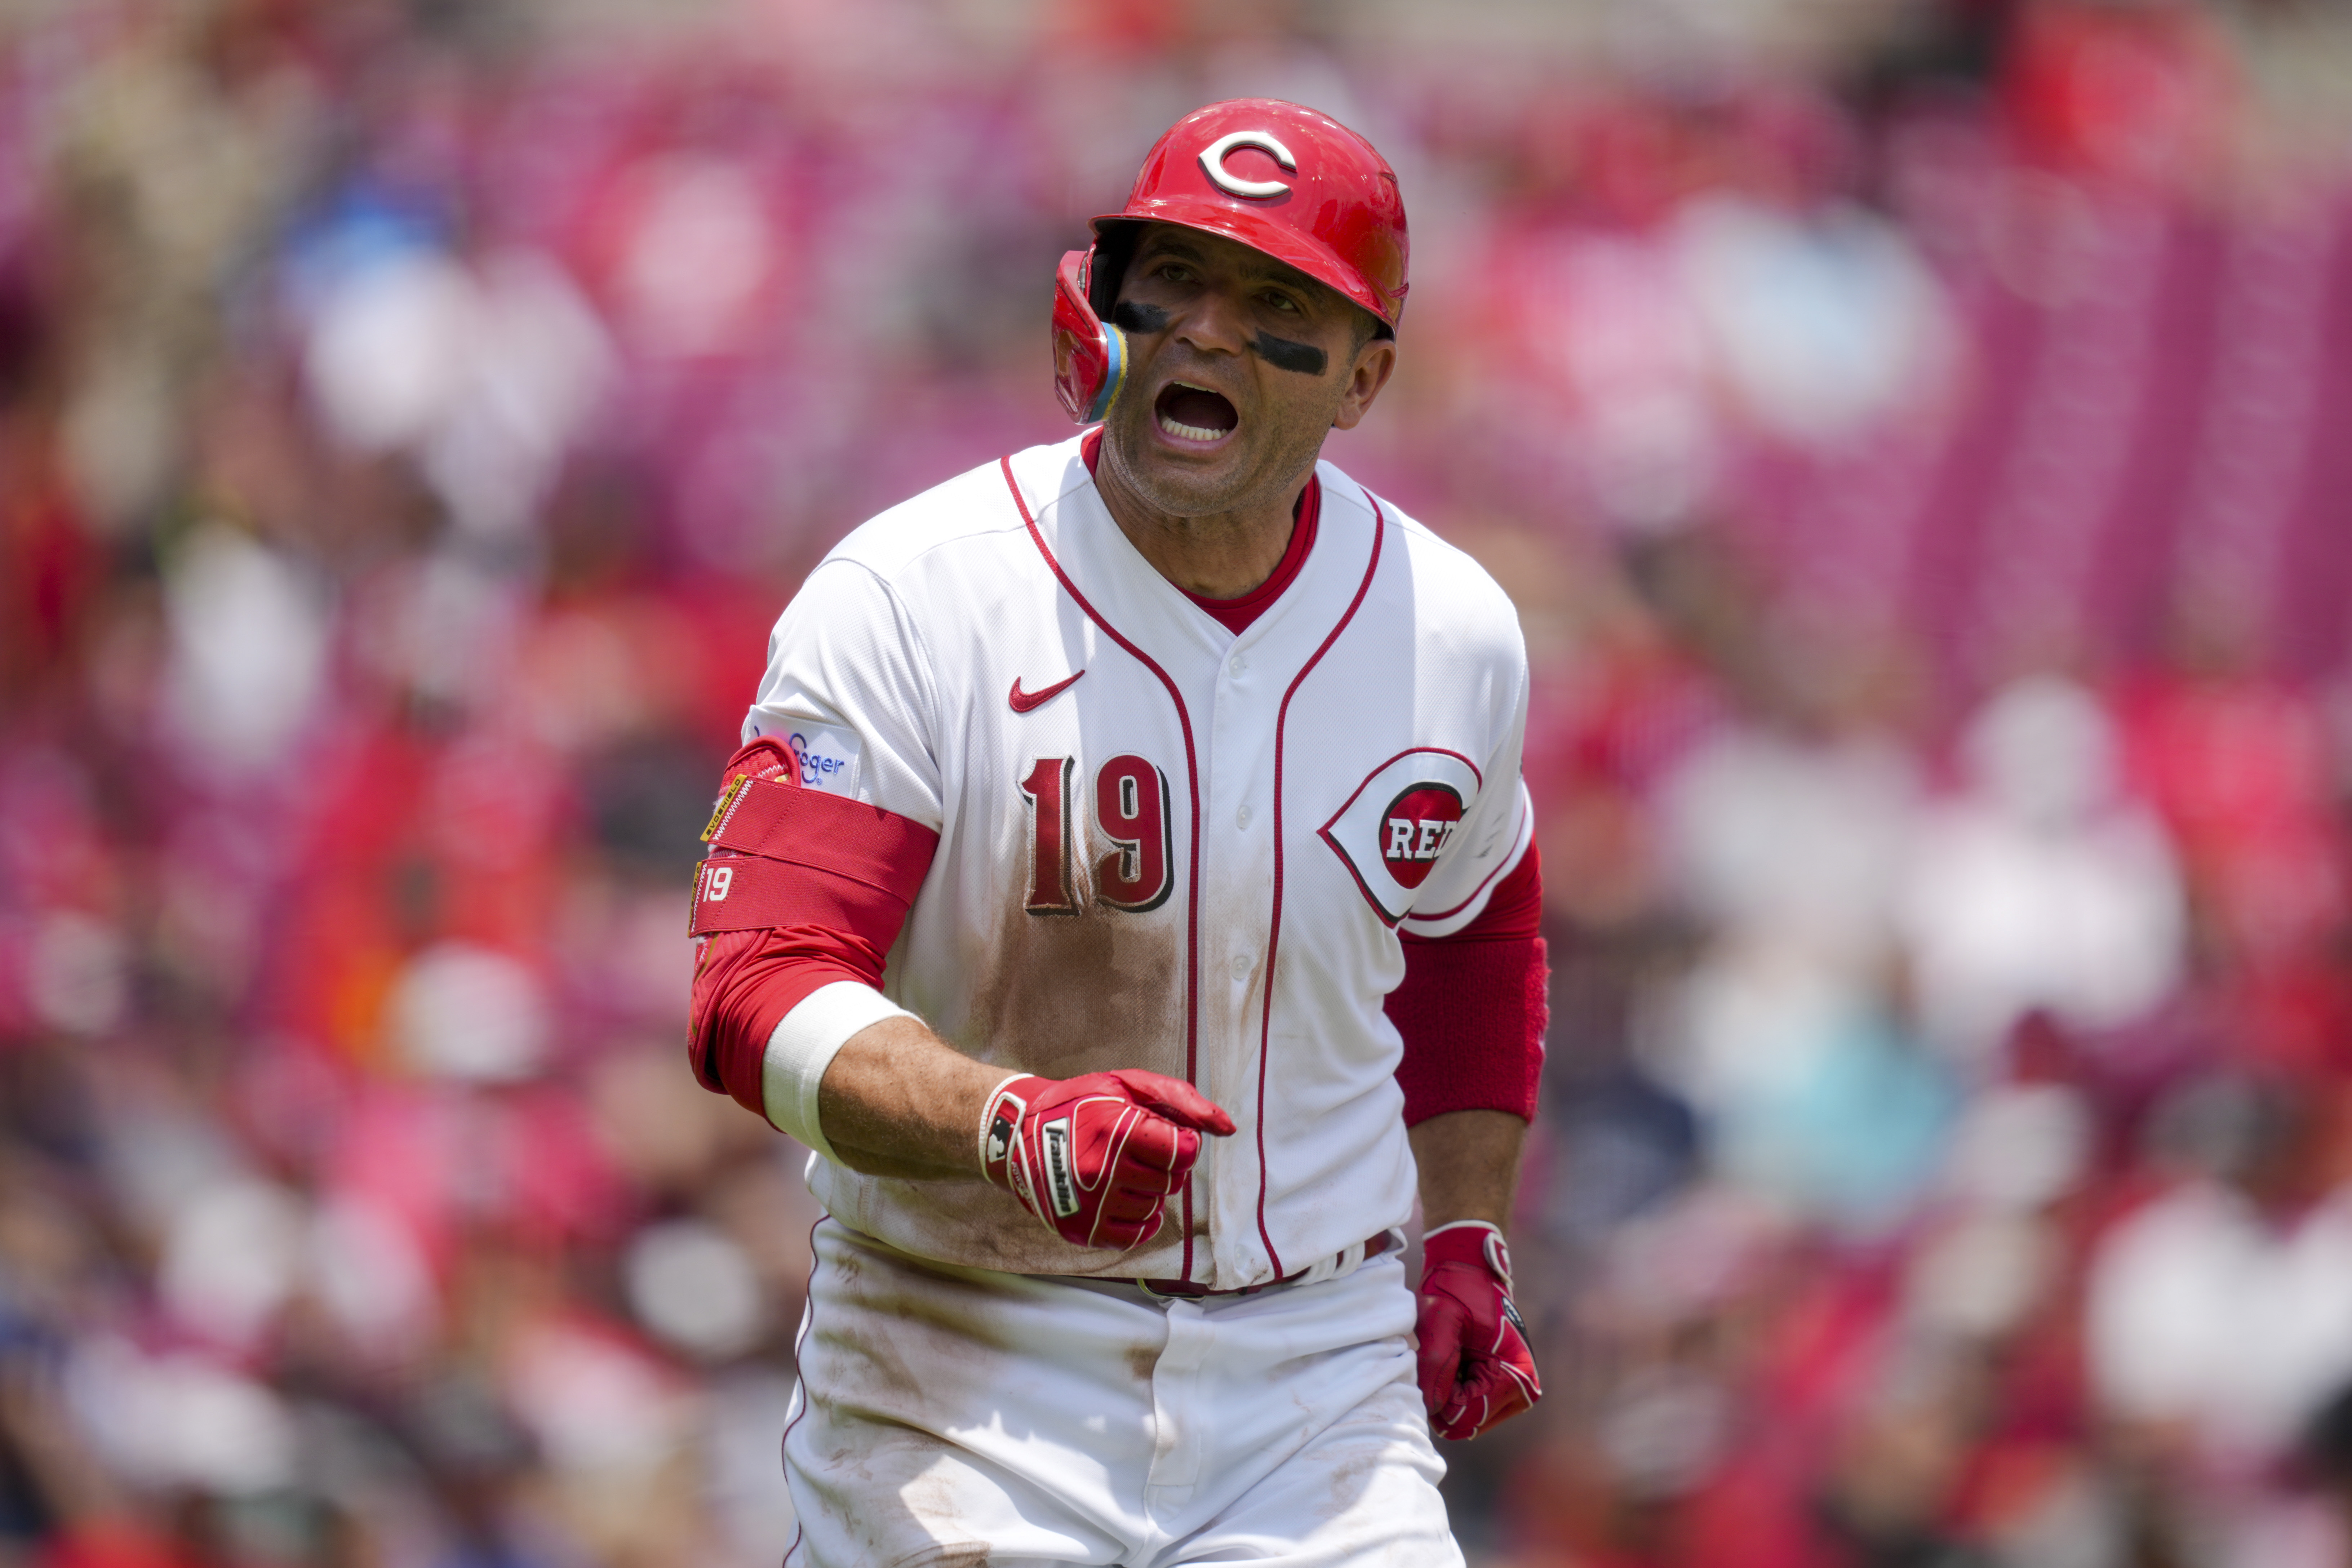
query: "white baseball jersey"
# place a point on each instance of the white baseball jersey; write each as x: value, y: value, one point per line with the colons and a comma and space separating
x: 1163, y: 846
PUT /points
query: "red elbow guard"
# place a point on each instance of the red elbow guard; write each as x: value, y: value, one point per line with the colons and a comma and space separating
x: 802, y: 888
x: 786, y: 855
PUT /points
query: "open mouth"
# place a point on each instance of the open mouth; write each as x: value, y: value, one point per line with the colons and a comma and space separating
x: 1195, y: 412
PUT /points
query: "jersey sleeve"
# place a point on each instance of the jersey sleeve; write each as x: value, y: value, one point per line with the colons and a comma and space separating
x: 1471, y: 1008
x: 844, y: 712
x: 1495, y: 835
x: 849, y: 687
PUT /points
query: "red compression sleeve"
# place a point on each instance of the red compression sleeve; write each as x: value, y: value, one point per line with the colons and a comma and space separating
x: 834, y: 877
x: 1471, y: 1008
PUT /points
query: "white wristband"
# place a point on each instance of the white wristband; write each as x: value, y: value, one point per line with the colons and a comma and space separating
x: 802, y: 1046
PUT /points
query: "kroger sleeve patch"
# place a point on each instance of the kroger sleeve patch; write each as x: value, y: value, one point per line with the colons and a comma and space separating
x: 828, y: 755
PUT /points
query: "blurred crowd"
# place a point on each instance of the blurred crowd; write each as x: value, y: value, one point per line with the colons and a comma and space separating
x: 1903, y: 428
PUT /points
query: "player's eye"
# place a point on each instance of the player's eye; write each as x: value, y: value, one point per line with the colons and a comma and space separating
x: 1280, y: 302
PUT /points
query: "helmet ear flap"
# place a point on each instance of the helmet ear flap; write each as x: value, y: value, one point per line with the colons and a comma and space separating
x: 1114, y: 247
x: 1089, y: 355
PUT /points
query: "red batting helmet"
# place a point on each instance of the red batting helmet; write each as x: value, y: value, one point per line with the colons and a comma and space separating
x: 1279, y: 178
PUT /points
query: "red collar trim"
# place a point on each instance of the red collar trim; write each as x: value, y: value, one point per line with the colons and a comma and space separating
x: 1236, y: 615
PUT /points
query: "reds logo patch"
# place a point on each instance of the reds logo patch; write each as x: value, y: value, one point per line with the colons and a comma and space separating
x: 1416, y: 828
x: 1398, y: 824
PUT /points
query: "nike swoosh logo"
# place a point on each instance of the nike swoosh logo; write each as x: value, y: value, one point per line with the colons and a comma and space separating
x: 1022, y: 701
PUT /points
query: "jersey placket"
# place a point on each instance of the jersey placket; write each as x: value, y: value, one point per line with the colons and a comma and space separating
x: 1149, y: 621
x: 1237, y: 880
x: 1258, y: 673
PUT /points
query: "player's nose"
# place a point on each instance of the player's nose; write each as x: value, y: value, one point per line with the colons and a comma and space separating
x: 1214, y: 321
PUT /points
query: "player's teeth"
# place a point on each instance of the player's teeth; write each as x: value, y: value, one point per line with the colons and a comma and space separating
x: 1189, y: 432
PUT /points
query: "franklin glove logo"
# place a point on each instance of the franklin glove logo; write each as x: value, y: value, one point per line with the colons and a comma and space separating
x: 1061, y: 1176
x: 1095, y: 1157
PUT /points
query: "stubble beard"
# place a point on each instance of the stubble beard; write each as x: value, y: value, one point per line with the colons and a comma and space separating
x: 1267, y: 479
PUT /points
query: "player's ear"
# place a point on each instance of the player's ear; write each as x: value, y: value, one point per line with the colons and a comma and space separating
x: 1374, y: 364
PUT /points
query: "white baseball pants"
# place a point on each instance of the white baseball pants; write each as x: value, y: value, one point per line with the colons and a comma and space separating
x: 962, y: 1416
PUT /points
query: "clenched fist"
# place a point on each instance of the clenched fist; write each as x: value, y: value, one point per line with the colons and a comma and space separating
x: 1475, y: 1369
x: 1095, y: 1157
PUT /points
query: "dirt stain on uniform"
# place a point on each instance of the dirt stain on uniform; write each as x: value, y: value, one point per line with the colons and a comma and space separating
x: 1059, y: 995
x: 1086, y: 991
x: 934, y: 1506
x: 968, y: 1556
x: 1351, y: 1478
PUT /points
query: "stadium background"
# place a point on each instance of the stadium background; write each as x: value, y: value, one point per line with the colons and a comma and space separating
x: 1913, y: 434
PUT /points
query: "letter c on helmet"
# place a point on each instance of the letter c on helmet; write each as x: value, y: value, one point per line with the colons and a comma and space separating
x: 1212, y: 163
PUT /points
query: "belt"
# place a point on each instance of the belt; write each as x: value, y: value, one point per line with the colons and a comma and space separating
x: 1191, y: 1291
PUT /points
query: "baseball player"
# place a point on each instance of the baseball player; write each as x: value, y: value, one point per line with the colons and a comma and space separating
x: 1126, y: 888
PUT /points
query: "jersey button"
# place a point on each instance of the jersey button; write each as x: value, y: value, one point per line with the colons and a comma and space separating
x: 1238, y: 664
x: 1242, y: 817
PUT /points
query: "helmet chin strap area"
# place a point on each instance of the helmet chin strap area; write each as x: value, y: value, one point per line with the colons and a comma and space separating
x: 1089, y: 355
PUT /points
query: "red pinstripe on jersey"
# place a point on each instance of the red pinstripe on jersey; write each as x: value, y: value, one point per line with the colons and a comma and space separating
x: 1193, y: 800
x: 808, y: 1321
x: 1274, y: 932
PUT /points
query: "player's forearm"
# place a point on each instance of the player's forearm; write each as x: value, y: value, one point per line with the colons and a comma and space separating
x: 897, y: 1101
x: 1469, y: 1164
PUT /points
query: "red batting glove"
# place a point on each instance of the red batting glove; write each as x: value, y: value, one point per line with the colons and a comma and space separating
x: 1095, y: 1157
x: 1475, y: 1366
